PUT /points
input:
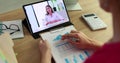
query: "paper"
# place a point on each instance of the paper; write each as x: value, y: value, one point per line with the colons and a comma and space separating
x: 11, y: 25
x: 6, y: 48
x: 2, y: 58
x: 63, y: 51
x: 5, y: 37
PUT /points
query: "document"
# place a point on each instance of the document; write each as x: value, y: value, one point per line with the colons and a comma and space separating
x: 7, y: 54
x: 63, y: 51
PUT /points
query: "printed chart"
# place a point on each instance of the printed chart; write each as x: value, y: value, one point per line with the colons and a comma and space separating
x: 67, y: 51
x: 63, y: 51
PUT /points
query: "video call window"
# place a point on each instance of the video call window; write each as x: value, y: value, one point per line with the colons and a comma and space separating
x: 46, y: 14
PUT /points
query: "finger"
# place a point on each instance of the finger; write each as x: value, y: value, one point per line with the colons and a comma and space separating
x: 64, y: 37
x: 74, y: 43
x: 73, y: 31
x: 47, y: 43
x: 70, y: 35
x: 67, y: 36
x: 40, y: 42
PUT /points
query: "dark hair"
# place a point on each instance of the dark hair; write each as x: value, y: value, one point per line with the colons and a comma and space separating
x: 51, y: 9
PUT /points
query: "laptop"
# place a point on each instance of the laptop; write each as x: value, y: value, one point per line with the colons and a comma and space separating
x: 50, y: 20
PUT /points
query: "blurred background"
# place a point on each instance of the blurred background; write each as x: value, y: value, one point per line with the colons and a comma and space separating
x: 9, y: 5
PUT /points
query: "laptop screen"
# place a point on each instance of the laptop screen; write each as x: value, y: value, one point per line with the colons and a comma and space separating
x: 46, y: 14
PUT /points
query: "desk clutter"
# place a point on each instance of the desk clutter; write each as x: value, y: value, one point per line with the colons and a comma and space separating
x: 13, y: 27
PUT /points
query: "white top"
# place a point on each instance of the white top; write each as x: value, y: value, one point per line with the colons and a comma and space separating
x: 53, y: 20
x: 55, y: 16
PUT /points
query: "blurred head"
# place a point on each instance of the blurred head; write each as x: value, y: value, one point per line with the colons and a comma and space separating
x: 110, y: 5
x: 49, y: 9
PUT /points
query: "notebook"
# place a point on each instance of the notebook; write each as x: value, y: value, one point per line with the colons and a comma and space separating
x: 50, y: 19
x: 13, y: 27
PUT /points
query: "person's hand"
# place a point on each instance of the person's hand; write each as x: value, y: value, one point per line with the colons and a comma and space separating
x: 82, y: 41
x: 45, y: 50
x: 44, y: 47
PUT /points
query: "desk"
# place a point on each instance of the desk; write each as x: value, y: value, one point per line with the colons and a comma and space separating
x: 27, y: 48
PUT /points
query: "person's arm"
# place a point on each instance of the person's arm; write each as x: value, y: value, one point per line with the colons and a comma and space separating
x: 46, y: 57
x: 45, y: 51
x: 95, y: 45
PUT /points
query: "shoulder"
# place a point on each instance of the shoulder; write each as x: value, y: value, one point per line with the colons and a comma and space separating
x: 55, y: 13
x: 46, y: 16
x: 109, y: 53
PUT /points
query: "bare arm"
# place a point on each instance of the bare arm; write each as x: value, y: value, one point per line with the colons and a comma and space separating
x: 45, y: 51
x: 46, y: 58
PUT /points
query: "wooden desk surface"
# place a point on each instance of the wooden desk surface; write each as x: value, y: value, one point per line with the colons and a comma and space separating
x: 27, y: 47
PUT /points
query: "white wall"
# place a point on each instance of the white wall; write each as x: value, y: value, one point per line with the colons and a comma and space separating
x: 71, y: 1
x: 8, y: 5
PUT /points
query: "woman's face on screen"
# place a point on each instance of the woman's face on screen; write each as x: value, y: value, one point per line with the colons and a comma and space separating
x: 49, y: 10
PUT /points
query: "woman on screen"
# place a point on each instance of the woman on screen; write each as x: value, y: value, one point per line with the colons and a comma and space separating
x: 51, y: 16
